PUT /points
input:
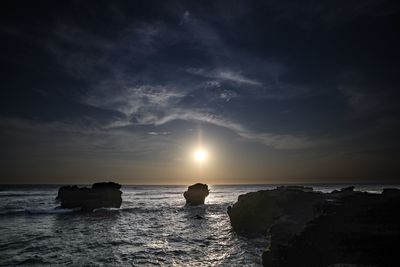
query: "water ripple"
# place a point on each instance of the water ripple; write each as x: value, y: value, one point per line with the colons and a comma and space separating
x: 153, y: 227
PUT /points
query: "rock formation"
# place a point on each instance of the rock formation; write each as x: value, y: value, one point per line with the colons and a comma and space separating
x: 196, y: 194
x: 255, y: 213
x: 101, y: 195
x: 308, y: 228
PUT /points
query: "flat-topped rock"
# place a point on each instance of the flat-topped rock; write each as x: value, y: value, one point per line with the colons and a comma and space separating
x: 196, y: 194
x: 106, y: 185
x: 100, y: 195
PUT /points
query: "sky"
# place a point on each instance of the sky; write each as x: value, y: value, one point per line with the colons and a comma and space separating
x: 272, y: 91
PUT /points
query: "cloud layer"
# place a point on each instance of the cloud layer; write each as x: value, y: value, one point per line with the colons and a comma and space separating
x: 259, y: 77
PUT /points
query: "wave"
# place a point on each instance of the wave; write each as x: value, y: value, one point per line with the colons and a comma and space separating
x: 22, y: 194
x: 51, y: 210
x: 153, y: 192
x: 154, y: 210
x: 106, y: 210
x: 11, y: 211
x: 58, y: 210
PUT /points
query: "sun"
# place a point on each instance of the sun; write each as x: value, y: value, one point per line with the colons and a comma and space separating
x: 200, y: 155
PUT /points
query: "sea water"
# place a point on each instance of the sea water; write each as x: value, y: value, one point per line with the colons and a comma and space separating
x: 153, y: 227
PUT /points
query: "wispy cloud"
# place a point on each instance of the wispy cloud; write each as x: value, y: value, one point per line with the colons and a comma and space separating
x: 156, y: 96
x: 159, y: 133
x: 81, y: 139
x: 156, y: 105
x: 131, y: 100
x: 277, y: 141
x: 185, y: 17
x: 281, y: 141
x: 224, y: 75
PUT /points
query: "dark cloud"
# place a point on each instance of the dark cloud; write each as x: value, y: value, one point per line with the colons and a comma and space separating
x: 314, y: 76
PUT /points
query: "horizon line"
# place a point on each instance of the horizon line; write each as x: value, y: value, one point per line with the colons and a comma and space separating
x: 218, y: 184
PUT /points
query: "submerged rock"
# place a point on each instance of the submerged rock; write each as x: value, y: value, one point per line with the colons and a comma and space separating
x: 101, y: 195
x: 307, y: 228
x: 196, y: 194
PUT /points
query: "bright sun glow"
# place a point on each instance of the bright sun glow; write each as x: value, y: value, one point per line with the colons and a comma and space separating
x: 200, y: 155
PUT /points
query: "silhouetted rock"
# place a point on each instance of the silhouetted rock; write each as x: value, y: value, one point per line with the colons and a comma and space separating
x: 254, y: 213
x: 101, y: 195
x: 349, y: 189
x: 295, y: 187
x: 363, y: 230
x: 106, y: 185
x: 322, y: 229
x: 391, y: 191
x: 196, y: 194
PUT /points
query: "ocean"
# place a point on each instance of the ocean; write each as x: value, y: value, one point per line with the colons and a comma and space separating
x: 153, y: 227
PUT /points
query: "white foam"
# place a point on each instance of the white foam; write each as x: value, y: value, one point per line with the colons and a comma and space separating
x: 106, y: 209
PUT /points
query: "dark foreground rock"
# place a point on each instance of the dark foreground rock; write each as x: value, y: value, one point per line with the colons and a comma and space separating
x: 255, y: 213
x: 308, y: 228
x: 101, y: 195
x: 196, y: 194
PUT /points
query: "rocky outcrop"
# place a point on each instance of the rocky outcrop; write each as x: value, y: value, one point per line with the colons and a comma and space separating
x: 196, y: 194
x: 100, y: 195
x: 308, y: 228
x: 255, y: 213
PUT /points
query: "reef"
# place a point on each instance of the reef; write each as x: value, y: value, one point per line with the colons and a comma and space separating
x: 100, y: 195
x: 310, y: 228
x: 196, y: 194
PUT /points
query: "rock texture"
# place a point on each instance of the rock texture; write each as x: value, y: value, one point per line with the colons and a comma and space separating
x: 196, y: 194
x: 308, y: 228
x: 101, y: 195
x: 255, y: 213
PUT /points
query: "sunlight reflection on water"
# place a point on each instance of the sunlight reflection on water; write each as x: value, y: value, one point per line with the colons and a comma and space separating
x: 153, y: 227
